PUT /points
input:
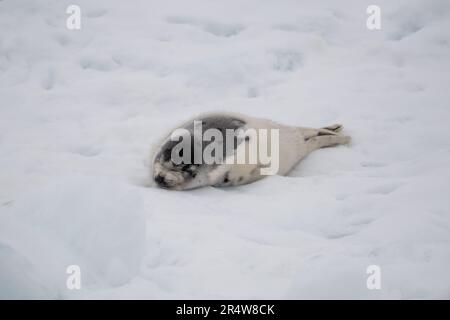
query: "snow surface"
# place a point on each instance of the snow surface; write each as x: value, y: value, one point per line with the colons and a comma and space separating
x: 80, y: 110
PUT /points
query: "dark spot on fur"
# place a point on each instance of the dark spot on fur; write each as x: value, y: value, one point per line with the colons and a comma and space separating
x: 167, y: 154
x: 226, y: 179
x: 241, y: 178
x: 190, y: 169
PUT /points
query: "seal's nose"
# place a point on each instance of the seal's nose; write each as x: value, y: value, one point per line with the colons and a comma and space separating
x: 161, y: 181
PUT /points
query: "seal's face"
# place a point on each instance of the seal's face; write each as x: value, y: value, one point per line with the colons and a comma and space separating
x: 167, y: 175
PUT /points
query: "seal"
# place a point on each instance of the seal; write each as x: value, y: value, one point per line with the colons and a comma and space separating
x: 180, y: 168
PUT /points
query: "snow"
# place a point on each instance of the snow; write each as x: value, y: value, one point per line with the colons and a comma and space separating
x: 81, y: 109
x: 92, y: 222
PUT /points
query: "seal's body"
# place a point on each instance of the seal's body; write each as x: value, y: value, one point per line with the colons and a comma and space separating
x: 294, y: 144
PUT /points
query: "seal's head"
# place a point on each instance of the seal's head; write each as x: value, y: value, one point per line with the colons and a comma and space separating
x: 168, y: 175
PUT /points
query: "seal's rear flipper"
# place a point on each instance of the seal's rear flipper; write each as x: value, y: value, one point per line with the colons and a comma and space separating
x: 325, y: 137
x: 334, y: 127
x: 309, y: 133
x: 329, y: 140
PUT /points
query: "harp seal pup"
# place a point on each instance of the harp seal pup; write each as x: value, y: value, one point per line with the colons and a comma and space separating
x: 295, y: 143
